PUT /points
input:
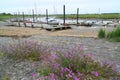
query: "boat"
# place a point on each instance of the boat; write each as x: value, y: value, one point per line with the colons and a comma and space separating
x: 53, y: 21
x: 88, y: 24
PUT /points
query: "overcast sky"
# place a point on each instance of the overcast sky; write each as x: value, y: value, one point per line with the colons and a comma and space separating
x: 56, y: 6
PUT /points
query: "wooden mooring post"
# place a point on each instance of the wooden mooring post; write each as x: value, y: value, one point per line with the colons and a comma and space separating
x: 24, y: 19
x: 18, y: 18
x: 63, y: 14
x: 77, y: 15
x: 47, y: 16
x: 32, y: 24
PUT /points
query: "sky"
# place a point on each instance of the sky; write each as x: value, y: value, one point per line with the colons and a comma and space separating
x: 56, y: 6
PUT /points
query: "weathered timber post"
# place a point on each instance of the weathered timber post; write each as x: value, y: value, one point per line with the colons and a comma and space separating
x: 77, y: 15
x: 18, y: 18
x: 24, y: 19
x: 47, y: 16
x: 33, y: 19
x: 63, y: 14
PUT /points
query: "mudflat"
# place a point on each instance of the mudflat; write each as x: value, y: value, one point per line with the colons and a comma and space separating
x: 75, y: 32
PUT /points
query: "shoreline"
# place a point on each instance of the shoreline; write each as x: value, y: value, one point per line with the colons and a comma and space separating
x: 74, y: 32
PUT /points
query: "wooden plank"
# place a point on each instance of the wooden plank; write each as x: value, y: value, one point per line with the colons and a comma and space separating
x: 58, y: 27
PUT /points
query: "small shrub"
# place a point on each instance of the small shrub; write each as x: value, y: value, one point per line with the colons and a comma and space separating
x: 23, y: 49
x: 76, y: 65
x: 101, y: 33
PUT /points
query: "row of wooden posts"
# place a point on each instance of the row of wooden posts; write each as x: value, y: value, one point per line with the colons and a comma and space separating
x: 33, y: 16
x: 64, y: 17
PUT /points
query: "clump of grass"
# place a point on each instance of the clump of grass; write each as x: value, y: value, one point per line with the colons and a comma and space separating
x: 1, y: 54
x: 101, y: 33
x: 75, y: 65
x: 24, y: 49
x: 110, y: 36
x: 114, y: 35
x: 5, y: 78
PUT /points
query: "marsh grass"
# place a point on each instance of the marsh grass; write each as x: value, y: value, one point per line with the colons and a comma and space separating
x: 92, y: 16
x: 114, y: 35
x: 101, y: 33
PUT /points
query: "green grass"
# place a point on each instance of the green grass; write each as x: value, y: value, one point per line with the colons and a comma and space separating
x: 1, y: 54
x: 114, y: 39
x: 5, y: 78
x: 113, y: 36
x: 92, y: 16
x: 4, y: 16
x: 101, y: 33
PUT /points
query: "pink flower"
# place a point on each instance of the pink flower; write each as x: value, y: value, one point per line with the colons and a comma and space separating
x: 79, y: 74
x: 95, y: 73
x: 69, y: 75
x: 52, y: 76
x: 75, y: 78
x: 33, y: 74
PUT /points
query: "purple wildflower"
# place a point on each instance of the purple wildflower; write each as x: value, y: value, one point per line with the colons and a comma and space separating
x: 33, y: 74
x: 75, y: 78
x: 52, y: 76
x: 79, y: 74
x: 95, y: 73
x: 69, y: 75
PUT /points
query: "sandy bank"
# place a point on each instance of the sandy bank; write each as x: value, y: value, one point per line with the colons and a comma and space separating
x: 26, y: 32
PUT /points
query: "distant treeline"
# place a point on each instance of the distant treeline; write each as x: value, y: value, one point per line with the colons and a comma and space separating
x: 4, y: 16
x: 92, y: 16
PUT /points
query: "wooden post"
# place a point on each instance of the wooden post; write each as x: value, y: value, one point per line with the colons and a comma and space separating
x: 77, y: 15
x: 47, y: 15
x: 63, y: 14
x: 18, y: 18
x: 33, y: 15
x: 24, y: 19
x: 33, y: 19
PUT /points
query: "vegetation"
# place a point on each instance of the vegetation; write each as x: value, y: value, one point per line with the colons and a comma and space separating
x: 111, y: 36
x: 5, y: 78
x: 114, y: 35
x: 101, y: 33
x: 93, y: 16
x: 29, y: 50
x: 61, y: 64
x: 4, y: 16
x: 1, y: 54
x: 75, y: 65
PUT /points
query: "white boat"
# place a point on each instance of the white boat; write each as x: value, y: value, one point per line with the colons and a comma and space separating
x: 53, y: 21
x: 99, y: 23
